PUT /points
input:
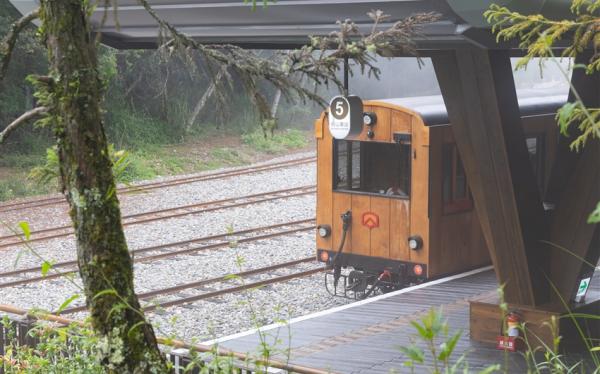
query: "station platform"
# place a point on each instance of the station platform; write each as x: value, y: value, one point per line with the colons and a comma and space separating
x: 363, y: 337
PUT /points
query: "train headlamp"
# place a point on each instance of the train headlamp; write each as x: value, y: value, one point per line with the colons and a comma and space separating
x: 415, y: 242
x: 369, y: 118
x: 324, y: 256
x: 418, y: 270
x: 324, y: 231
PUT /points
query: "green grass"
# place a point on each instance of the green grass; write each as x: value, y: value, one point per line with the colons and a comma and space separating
x: 158, y: 161
x: 153, y: 154
x: 285, y: 140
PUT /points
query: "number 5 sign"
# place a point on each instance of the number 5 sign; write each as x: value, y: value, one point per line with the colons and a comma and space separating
x: 345, y: 116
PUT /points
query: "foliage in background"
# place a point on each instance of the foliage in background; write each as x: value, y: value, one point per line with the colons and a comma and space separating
x: 49, y: 172
x: 149, y: 97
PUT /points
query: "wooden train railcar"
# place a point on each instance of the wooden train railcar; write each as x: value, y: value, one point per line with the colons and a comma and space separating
x: 402, y: 183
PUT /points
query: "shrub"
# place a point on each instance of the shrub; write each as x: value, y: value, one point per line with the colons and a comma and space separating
x: 70, y: 349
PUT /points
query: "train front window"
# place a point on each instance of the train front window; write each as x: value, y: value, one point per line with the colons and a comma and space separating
x: 371, y: 167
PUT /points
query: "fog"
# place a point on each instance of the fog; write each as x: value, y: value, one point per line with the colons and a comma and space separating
x: 402, y: 77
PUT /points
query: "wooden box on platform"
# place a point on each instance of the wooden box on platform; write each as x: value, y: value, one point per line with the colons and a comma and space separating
x: 486, y: 322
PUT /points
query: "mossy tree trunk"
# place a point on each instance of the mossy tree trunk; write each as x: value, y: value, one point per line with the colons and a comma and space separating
x: 74, y: 94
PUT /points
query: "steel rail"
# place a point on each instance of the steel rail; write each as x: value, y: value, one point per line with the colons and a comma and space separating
x: 163, y: 184
x: 73, y: 263
x: 207, y: 295
x: 204, y: 282
x: 163, y: 214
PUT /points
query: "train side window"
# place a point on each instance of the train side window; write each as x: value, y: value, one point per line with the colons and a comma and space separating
x: 372, y: 167
x: 535, y: 147
x: 456, y: 196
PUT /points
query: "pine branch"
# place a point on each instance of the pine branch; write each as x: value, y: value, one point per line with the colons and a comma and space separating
x: 8, y: 42
x: 316, y: 61
x: 23, y: 119
x: 539, y: 35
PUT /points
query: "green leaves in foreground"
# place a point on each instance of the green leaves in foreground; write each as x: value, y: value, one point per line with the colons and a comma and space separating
x: 24, y: 226
x: 432, y: 333
x: 67, y: 302
x: 46, y: 267
x: 587, y: 121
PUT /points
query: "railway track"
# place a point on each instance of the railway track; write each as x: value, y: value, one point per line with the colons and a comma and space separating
x: 220, y: 279
x: 157, y: 252
x: 140, y: 218
x: 59, y: 199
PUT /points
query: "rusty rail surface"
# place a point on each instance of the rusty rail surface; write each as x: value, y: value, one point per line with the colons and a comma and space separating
x: 164, y: 214
x: 223, y: 278
x: 206, y: 243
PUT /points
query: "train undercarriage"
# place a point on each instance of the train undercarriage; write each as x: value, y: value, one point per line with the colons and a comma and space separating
x: 363, y: 276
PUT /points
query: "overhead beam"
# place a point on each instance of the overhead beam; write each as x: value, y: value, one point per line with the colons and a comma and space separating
x: 479, y: 93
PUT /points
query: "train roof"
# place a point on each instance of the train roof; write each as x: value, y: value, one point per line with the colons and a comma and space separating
x: 432, y: 109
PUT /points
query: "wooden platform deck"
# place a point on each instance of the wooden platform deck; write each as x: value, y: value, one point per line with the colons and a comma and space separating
x: 364, y: 337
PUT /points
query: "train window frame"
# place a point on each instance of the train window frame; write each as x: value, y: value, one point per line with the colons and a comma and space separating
x: 451, y: 202
x: 402, y: 140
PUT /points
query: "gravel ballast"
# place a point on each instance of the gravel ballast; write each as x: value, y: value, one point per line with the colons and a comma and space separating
x: 215, y: 317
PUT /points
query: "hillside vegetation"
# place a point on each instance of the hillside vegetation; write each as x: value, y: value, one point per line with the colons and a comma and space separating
x: 151, y: 111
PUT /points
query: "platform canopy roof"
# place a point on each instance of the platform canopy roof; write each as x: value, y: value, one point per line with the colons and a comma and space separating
x: 288, y: 23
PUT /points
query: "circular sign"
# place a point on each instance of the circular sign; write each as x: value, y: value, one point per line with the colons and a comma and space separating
x: 339, y: 107
x: 345, y: 116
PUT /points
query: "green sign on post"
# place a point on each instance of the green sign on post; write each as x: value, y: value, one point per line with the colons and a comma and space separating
x: 584, y: 284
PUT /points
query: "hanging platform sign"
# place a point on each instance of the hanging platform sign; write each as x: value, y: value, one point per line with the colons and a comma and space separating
x: 345, y: 116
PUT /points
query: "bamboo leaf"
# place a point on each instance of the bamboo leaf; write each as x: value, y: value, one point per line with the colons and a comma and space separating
x: 448, y: 347
x: 132, y: 329
x: 25, y: 228
x: 46, y: 266
x: 231, y: 276
x: 414, y: 353
x: 105, y: 292
x: 67, y: 302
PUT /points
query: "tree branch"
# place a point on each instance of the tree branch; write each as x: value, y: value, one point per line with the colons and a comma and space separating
x: 33, y: 113
x: 317, y: 61
x: 8, y: 43
x: 203, y: 100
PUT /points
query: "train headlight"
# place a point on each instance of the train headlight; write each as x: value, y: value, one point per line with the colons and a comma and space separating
x: 369, y: 118
x: 415, y: 242
x: 324, y: 256
x: 324, y: 231
x: 418, y: 270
